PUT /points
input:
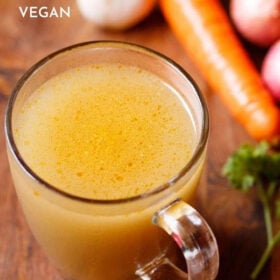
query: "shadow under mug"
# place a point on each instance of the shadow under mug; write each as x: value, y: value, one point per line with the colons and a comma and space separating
x: 141, y: 237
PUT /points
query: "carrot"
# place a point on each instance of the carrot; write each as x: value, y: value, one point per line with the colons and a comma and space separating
x: 204, y: 29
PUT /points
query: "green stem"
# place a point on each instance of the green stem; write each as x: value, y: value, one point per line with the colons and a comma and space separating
x: 271, y: 189
x: 271, y: 241
x: 266, y: 212
x: 266, y: 254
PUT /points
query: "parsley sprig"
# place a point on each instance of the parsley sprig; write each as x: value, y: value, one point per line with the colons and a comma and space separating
x: 259, y: 166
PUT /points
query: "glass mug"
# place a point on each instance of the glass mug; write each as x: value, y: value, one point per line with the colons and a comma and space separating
x: 153, y: 235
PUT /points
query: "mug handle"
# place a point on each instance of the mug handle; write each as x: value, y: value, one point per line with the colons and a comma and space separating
x: 195, y: 239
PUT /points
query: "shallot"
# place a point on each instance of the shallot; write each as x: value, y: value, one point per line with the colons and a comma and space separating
x: 271, y: 70
x: 257, y: 20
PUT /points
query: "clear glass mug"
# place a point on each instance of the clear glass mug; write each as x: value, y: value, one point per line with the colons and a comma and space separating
x: 155, y: 235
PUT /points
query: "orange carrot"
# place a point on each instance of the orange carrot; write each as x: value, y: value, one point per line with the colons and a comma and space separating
x: 204, y: 29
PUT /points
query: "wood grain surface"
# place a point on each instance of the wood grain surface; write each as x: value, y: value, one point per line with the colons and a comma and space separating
x: 235, y: 218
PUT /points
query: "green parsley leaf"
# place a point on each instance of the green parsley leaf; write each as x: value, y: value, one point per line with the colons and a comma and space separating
x: 258, y: 166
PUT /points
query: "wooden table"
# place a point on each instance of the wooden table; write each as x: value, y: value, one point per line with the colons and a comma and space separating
x: 236, y: 219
